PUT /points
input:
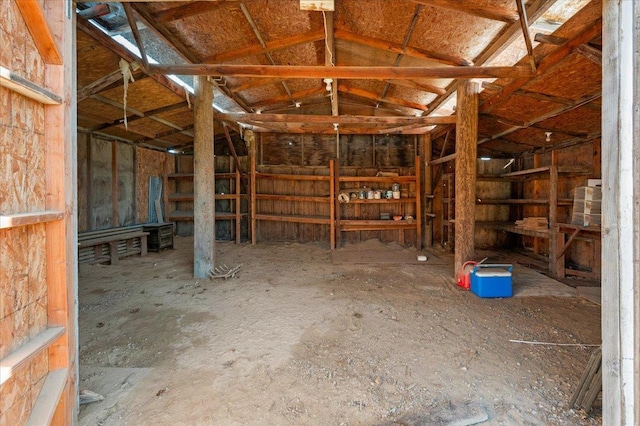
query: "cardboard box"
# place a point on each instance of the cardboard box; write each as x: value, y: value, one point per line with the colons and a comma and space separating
x: 492, y: 280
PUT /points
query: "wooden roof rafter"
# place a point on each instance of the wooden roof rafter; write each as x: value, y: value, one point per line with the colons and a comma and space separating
x: 431, y: 88
x: 179, y: 47
x: 524, y: 24
x: 258, y: 35
x: 192, y: 8
x: 375, y: 97
x: 295, y: 97
x: 405, y: 42
x: 546, y: 63
x: 399, y: 48
x: 502, y: 41
x: 146, y: 114
x: 161, y: 135
x: 330, y: 58
x: 341, y: 119
x: 109, y: 81
x: 495, y: 13
x: 139, y: 113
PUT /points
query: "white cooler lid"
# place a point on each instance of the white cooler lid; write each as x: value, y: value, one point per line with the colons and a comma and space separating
x: 494, y: 273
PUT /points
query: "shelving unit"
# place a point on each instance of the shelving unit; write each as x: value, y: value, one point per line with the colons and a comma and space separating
x: 552, y: 202
x: 409, y: 204
x: 258, y: 215
x: 448, y: 210
x: 235, y: 214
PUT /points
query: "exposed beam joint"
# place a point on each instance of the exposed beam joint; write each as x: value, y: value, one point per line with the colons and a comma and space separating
x: 524, y: 24
x: 38, y: 27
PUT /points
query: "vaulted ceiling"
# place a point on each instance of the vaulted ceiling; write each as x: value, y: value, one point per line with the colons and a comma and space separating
x: 371, y: 67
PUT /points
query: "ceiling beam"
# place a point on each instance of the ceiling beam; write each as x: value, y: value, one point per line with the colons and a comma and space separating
x: 390, y: 46
x: 146, y: 114
x: 499, y: 44
x: 190, y: 9
x: 258, y: 35
x: 163, y: 135
x: 269, y: 46
x: 125, y: 54
x: 591, y: 53
x: 495, y: 13
x: 390, y: 100
x: 136, y: 34
x: 407, y: 37
x: 524, y: 24
x: 253, y: 83
x: 345, y: 72
x: 328, y: 119
x: 179, y: 47
x: 549, y: 61
x: 298, y: 96
x: 431, y: 88
x: 104, y: 82
x: 553, y: 113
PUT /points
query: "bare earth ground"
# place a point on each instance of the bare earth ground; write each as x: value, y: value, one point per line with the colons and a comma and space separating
x: 298, y: 340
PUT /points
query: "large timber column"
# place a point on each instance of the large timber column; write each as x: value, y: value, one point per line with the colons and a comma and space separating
x: 466, y: 155
x: 204, y: 181
x: 621, y: 215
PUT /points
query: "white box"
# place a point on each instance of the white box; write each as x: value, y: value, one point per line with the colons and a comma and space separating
x: 594, y: 182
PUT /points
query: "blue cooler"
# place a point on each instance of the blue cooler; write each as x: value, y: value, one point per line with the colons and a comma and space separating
x: 489, y: 280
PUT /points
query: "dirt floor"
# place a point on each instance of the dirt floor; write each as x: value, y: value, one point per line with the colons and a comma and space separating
x: 296, y: 339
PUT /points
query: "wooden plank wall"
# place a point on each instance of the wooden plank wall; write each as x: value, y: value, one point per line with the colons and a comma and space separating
x: 360, y: 155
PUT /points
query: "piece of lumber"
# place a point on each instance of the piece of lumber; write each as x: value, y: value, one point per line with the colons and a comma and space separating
x: 46, y: 404
x: 32, y: 218
x: 34, y: 18
x: 343, y: 72
x: 493, y: 12
x: 13, y: 81
x: 25, y: 353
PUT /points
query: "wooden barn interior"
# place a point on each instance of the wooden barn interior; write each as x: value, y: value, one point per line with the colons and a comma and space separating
x: 136, y: 134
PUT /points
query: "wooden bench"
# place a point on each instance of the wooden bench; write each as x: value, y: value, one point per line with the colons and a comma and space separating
x: 109, y: 245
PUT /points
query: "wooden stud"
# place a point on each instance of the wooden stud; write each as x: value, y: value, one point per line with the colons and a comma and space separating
x: 42, y: 34
x: 418, y: 197
x: 61, y: 250
x: 14, y: 82
x: 204, y: 180
x: 252, y: 158
x: 427, y: 185
x: 466, y: 149
x: 114, y: 185
x: 332, y: 203
x: 620, y: 214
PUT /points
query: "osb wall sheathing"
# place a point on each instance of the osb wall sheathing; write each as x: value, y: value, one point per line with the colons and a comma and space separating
x: 23, y: 294
x: 149, y: 163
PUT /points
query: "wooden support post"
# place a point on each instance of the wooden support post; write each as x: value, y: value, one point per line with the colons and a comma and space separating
x: 620, y: 213
x: 238, y: 207
x: 61, y: 235
x: 204, y: 181
x: 336, y: 185
x: 332, y: 203
x: 553, y: 221
x: 536, y: 194
x: 165, y: 185
x: 426, y: 147
x: 466, y: 150
x: 252, y: 205
x: 114, y: 184
x: 419, y: 197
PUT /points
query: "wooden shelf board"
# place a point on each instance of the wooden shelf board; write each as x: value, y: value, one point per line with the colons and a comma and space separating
x: 382, y: 201
x: 24, y: 219
x: 512, y: 228
x: 188, y: 196
x: 187, y: 215
x: 277, y: 176
x: 191, y: 175
x: 512, y: 201
x: 318, y: 220
x: 296, y: 198
x: 18, y: 84
x: 374, y: 225
x: 22, y: 355
x: 378, y: 179
x: 48, y: 398
x: 564, y: 170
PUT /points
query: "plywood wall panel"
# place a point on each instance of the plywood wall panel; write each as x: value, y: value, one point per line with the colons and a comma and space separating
x: 100, y: 185
x: 83, y: 182
x: 126, y: 184
x: 148, y: 163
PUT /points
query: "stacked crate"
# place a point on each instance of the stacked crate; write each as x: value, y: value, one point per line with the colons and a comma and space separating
x: 587, y: 206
